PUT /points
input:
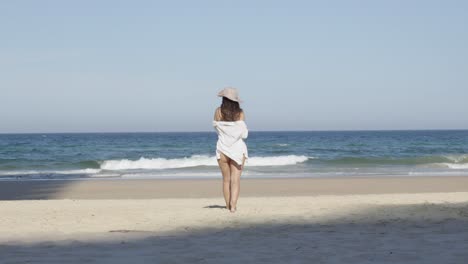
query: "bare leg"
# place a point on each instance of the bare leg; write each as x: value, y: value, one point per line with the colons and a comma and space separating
x: 223, y: 163
x: 236, y: 171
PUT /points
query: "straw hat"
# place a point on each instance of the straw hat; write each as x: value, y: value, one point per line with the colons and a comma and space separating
x: 230, y: 93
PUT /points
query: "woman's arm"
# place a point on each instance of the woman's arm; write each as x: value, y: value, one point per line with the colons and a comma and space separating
x: 245, y: 133
x: 242, y: 116
x: 217, y: 115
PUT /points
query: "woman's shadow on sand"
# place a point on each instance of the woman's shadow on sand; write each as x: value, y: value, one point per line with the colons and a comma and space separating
x: 215, y: 206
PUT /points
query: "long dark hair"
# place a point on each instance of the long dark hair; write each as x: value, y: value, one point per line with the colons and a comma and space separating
x: 230, y: 110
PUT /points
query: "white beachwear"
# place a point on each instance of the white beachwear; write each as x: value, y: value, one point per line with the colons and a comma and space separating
x: 231, y: 137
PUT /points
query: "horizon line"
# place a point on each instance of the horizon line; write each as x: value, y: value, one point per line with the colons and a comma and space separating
x: 207, y: 131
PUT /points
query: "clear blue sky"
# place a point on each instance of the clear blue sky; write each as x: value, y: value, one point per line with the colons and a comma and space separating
x: 102, y: 66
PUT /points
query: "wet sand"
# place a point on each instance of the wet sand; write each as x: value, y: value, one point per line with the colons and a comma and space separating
x: 211, y: 188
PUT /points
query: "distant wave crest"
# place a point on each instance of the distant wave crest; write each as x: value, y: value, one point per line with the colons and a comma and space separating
x: 158, y: 163
x: 421, y: 160
x: 277, y: 160
x: 457, y: 158
x: 456, y: 166
x: 195, y: 161
x: 51, y: 172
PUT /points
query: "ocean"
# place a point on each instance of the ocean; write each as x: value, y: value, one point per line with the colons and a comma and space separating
x: 272, y: 154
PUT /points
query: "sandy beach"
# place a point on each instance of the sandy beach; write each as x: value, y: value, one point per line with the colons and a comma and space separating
x: 124, y: 124
x: 354, y: 220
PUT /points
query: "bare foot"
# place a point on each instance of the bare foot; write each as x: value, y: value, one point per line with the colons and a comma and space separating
x: 233, y: 209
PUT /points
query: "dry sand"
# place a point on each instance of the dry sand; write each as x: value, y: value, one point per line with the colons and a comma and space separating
x: 407, y: 225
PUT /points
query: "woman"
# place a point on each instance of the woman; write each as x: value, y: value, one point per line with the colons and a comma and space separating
x: 231, y: 150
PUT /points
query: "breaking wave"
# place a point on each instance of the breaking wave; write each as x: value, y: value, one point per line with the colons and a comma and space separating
x: 195, y: 161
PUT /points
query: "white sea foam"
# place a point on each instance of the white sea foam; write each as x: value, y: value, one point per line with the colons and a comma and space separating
x: 195, y: 161
x: 456, y: 166
x: 63, y: 172
x: 457, y: 158
x: 158, y: 163
x: 150, y: 175
x: 84, y: 171
x: 277, y: 161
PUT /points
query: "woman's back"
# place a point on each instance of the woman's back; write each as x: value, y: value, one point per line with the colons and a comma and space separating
x: 219, y: 116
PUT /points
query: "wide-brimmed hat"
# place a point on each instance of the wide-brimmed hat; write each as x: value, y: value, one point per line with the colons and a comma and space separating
x: 230, y: 93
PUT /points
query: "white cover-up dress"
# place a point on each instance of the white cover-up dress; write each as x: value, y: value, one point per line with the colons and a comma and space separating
x: 231, y: 137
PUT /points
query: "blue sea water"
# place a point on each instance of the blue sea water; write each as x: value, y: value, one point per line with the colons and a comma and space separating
x: 272, y: 154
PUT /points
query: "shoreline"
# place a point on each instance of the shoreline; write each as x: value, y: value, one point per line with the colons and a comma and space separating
x: 211, y: 188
